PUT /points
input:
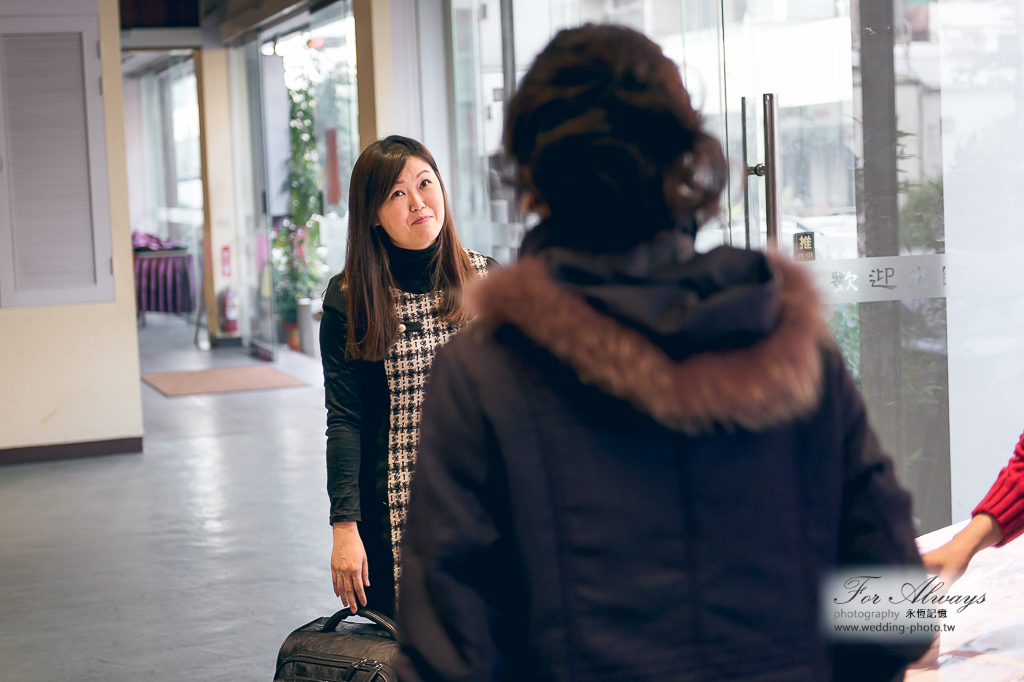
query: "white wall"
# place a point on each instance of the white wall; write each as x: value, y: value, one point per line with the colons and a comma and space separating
x: 434, y: 67
x: 71, y: 373
x: 411, y: 79
x: 139, y: 209
x: 982, y: 142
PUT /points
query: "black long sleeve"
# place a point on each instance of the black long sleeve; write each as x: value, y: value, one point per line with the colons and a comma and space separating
x: 348, y: 386
x: 876, y: 528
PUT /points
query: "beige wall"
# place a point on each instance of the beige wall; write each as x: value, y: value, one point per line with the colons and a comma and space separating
x: 374, y: 61
x: 71, y: 373
x: 212, y: 79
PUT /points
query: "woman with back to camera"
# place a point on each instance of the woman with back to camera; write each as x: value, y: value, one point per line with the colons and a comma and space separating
x: 640, y: 459
x: 398, y: 299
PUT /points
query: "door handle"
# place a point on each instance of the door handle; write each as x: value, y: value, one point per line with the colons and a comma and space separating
x: 748, y: 170
x: 769, y: 170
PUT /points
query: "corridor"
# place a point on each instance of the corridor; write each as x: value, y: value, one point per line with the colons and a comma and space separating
x: 191, y: 561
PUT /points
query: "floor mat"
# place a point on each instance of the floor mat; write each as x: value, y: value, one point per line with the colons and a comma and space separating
x: 252, y: 378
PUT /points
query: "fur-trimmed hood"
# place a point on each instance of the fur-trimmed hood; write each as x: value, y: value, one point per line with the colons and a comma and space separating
x: 756, y: 386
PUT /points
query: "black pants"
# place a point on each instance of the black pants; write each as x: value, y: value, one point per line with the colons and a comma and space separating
x: 376, y: 536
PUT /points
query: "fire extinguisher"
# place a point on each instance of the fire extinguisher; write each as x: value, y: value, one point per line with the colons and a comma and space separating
x: 228, y: 311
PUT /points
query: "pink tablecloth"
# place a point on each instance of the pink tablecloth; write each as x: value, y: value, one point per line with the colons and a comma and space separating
x: 164, y: 282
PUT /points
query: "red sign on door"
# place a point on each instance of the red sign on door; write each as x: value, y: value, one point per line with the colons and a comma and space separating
x: 225, y: 261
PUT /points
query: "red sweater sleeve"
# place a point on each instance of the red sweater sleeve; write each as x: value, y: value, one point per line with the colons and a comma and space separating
x: 1005, y: 499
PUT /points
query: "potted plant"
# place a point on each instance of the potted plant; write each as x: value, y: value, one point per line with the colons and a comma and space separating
x: 296, y: 237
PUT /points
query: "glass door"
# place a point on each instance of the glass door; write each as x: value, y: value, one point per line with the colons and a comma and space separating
x: 258, y: 323
x: 332, y: 42
x: 856, y: 200
x: 899, y: 129
x: 899, y: 133
x: 300, y: 94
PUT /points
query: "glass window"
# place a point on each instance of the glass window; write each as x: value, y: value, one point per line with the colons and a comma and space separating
x: 171, y: 204
x: 484, y: 45
x: 303, y: 106
x: 319, y: 71
x: 162, y: 112
x: 898, y: 163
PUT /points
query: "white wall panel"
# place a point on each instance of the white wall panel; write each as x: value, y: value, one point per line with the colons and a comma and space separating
x: 54, y: 216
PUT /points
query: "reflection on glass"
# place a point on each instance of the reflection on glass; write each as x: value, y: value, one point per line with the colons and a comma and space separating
x: 903, y: 140
x: 337, y: 131
x: 979, y: 66
x: 479, y: 96
x: 309, y: 125
x: 488, y: 218
x: 257, y: 322
x: 319, y: 71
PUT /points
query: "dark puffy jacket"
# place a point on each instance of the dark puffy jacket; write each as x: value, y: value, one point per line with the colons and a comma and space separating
x: 642, y: 478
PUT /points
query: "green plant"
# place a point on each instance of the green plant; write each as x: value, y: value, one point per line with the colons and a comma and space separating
x: 303, y: 187
x: 297, y: 237
x: 923, y: 363
x: 922, y: 223
x: 921, y: 219
x: 845, y: 326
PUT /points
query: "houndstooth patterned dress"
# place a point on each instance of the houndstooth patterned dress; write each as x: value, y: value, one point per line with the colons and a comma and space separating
x: 407, y: 366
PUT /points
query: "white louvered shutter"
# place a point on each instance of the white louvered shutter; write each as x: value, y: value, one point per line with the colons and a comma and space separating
x: 54, y: 215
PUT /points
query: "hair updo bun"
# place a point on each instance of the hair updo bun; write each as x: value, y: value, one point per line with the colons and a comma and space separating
x: 612, y: 145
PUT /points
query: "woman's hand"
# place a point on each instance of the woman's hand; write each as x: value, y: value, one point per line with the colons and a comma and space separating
x: 950, y: 561
x: 348, y: 566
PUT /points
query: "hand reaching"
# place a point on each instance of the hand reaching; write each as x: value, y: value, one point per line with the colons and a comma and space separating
x: 950, y: 561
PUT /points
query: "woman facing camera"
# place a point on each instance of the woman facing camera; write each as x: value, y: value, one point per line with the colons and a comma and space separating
x: 399, y: 298
x: 640, y: 459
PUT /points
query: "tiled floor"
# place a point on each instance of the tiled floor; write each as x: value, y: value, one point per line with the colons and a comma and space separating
x: 191, y: 561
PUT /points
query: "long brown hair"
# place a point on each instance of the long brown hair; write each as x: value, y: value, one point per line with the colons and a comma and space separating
x: 367, y: 279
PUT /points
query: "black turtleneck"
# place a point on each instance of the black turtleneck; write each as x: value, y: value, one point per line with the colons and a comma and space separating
x: 411, y: 269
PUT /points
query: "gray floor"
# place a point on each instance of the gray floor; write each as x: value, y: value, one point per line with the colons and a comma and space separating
x: 191, y: 561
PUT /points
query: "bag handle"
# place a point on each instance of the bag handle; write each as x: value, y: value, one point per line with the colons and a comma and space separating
x: 370, y: 614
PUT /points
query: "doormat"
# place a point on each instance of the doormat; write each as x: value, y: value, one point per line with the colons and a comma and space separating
x: 253, y: 378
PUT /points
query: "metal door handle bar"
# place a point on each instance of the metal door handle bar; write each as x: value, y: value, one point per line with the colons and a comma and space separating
x: 769, y: 170
x: 748, y: 170
x: 771, y: 162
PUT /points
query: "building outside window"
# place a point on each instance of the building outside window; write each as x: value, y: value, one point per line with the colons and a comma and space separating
x: 303, y: 130
x: 897, y: 156
x: 165, y: 183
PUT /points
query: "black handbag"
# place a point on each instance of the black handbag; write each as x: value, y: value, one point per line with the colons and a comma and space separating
x: 329, y: 649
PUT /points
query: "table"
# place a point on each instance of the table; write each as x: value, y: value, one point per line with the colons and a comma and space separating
x: 164, y: 282
x: 988, y: 644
